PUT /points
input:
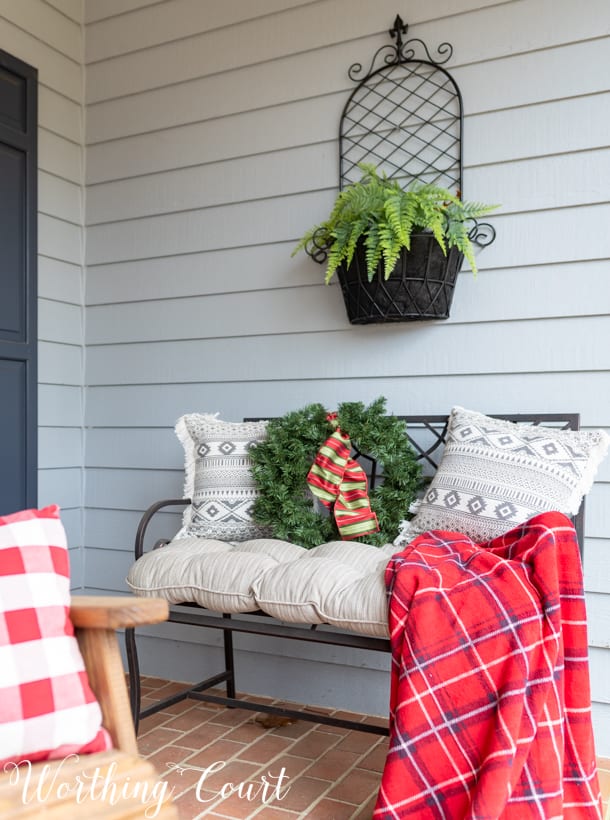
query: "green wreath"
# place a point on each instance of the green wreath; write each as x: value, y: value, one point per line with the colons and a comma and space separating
x: 281, y: 462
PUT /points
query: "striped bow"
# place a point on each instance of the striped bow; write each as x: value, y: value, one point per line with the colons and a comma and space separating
x: 340, y: 483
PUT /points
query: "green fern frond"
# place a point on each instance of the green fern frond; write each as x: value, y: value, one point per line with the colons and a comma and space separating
x: 457, y: 236
x: 372, y: 251
x: 379, y: 212
x: 338, y: 250
x: 399, y: 211
x: 390, y: 246
x: 472, y: 210
x: 356, y: 231
x: 333, y: 262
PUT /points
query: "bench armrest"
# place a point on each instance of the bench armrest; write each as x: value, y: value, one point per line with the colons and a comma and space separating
x: 145, y: 520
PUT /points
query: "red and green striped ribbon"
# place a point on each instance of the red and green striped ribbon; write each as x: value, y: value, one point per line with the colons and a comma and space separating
x: 340, y: 484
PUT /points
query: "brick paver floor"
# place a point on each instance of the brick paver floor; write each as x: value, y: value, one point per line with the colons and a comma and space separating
x: 222, y: 763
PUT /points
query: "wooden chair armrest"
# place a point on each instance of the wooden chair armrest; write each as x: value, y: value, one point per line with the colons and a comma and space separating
x: 116, y: 612
x: 96, y: 619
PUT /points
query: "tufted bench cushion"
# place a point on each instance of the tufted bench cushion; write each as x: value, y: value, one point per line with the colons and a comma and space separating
x: 339, y: 583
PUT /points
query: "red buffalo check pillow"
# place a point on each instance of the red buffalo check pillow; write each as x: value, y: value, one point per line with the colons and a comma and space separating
x: 47, y: 709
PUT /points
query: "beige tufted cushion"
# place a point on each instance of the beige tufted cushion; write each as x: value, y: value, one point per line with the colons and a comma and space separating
x: 337, y: 583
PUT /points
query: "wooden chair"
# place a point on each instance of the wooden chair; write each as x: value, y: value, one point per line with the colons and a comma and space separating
x: 95, y: 620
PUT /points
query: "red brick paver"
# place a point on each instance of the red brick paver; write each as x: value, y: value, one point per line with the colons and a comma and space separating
x: 326, y: 773
x: 300, y: 770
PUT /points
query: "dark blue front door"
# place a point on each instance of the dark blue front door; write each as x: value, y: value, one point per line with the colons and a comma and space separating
x: 18, y: 249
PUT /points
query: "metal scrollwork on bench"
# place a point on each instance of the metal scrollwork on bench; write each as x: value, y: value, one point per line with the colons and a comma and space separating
x: 405, y: 117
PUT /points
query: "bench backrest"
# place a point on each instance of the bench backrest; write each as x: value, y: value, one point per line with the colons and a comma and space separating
x: 427, y: 434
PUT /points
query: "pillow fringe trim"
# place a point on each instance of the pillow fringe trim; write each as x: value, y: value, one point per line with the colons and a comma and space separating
x: 598, y: 454
x: 185, y: 438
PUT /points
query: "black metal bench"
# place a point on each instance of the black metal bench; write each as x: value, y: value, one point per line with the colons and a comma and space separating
x: 427, y: 435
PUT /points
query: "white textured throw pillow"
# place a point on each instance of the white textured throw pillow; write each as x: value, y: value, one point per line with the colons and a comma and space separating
x: 218, y: 479
x: 497, y: 474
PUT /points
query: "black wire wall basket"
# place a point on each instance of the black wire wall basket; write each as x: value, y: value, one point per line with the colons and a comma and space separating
x: 405, y: 118
x: 420, y: 288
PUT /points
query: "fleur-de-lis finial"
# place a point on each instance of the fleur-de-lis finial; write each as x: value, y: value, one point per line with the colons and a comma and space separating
x: 399, y: 29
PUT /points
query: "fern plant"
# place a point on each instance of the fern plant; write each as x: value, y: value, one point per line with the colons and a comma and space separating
x: 385, y: 216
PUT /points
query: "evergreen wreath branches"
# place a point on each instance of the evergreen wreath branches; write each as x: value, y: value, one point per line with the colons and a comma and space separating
x: 281, y: 462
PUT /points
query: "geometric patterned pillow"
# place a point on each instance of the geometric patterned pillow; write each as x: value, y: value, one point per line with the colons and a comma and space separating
x: 496, y: 474
x: 218, y: 477
x: 47, y: 708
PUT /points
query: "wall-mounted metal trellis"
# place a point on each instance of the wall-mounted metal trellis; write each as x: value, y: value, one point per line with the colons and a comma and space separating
x: 405, y: 117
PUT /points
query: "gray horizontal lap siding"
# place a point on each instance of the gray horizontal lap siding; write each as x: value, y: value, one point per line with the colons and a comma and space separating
x: 206, y: 162
x: 49, y: 36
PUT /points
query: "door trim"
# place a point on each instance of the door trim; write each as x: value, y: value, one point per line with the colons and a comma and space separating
x: 27, y: 141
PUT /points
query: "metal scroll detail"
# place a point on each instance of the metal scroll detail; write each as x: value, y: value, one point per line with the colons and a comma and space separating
x: 402, y: 52
x: 481, y: 233
x: 404, y: 116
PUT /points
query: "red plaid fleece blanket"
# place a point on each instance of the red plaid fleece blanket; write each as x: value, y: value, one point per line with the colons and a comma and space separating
x: 490, y: 710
